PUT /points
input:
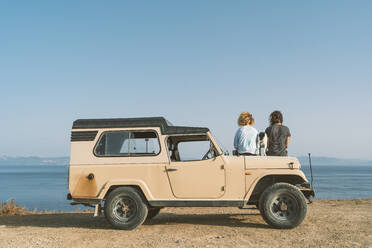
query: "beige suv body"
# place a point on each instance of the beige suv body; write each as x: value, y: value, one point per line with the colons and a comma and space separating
x: 135, y: 166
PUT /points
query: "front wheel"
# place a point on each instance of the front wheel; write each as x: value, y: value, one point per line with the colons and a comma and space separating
x: 125, y: 208
x: 283, y: 206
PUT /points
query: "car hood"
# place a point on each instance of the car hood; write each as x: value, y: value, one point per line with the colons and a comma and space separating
x: 266, y: 162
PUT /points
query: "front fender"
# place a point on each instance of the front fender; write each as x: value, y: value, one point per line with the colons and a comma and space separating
x: 281, y: 175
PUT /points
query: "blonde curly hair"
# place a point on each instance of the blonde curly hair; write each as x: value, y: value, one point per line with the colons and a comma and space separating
x: 245, y: 118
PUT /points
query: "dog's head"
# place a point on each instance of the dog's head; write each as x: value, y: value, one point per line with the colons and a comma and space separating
x: 261, y: 135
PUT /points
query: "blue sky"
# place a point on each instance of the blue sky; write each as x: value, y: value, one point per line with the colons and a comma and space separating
x: 195, y: 62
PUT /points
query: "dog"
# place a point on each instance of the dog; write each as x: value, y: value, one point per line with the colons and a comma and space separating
x: 261, y: 142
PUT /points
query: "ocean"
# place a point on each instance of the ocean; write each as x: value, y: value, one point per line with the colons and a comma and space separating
x: 45, y: 187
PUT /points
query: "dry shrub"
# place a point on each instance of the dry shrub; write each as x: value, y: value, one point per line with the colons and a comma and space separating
x: 35, y: 210
x: 10, y: 207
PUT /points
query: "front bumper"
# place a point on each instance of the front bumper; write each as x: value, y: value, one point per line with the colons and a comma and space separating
x: 306, y: 189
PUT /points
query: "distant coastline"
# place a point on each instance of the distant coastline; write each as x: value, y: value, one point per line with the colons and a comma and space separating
x: 328, y: 161
x: 64, y: 161
x: 34, y: 160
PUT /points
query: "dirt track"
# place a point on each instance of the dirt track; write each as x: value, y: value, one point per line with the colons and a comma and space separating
x: 346, y: 223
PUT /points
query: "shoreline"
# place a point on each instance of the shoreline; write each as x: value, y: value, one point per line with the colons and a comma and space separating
x: 27, y: 211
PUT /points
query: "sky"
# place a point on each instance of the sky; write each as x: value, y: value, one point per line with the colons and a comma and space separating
x: 197, y: 63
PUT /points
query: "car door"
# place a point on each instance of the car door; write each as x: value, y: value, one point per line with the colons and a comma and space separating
x: 197, y: 178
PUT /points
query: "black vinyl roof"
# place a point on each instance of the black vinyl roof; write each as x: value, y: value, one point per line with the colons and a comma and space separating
x: 165, y: 126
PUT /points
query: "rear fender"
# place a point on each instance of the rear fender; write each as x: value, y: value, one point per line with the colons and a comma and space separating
x: 112, y: 184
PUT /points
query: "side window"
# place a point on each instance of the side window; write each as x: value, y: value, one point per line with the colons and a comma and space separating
x: 193, y: 150
x: 112, y: 144
x: 190, y: 148
x: 125, y: 143
x: 142, y: 143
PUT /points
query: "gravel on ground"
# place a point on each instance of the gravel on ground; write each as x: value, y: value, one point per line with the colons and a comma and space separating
x: 329, y: 223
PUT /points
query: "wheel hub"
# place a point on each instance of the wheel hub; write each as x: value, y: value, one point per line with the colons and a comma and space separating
x: 125, y: 209
x: 283, y: 207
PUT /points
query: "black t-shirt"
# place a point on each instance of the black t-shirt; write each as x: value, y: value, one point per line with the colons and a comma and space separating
x: 277, y: 135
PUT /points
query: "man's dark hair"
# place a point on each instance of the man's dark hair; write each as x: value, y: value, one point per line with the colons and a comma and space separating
x: 276, y: 117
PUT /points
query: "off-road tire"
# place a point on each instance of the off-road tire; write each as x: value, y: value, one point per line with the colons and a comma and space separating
x: 125, y: 208
x: 152, y: 213
x: 283, y: 206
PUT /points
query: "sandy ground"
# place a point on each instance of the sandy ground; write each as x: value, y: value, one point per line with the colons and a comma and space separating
x: 333, y: 223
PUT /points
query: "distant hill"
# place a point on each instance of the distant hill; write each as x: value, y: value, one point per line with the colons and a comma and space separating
x: 6, y: 160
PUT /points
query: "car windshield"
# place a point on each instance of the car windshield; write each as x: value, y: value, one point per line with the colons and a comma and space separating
x: 220, y: 145
x: 168, y: 123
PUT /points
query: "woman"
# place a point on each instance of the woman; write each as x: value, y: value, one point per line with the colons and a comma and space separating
x: 245, y: 136
x: 278, y: 135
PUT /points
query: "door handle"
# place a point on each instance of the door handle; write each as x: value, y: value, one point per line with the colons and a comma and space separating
x: 171, y: 169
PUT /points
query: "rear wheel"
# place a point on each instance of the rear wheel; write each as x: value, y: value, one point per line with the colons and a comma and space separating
x: 283, y: 206
x: 125, y: 208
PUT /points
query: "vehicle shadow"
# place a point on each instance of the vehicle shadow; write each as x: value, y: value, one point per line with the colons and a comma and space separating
x: 77, y: 220
x: 230, y: 220
x: 82, y: 220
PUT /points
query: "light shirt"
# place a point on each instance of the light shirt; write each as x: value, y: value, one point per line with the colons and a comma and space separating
x: 245, y: 139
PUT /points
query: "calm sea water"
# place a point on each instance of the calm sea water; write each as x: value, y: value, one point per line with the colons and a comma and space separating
x: 45, y: 187
x: 341, y: 182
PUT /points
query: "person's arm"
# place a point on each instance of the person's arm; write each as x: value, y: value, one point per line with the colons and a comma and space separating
x: 287, y: 142
x: 255, y: 136
x: 288, y: 137
x: 267, y: 135
x: 236, y: 140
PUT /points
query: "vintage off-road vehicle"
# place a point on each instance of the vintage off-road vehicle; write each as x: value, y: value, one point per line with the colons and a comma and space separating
x: 136, y: 166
